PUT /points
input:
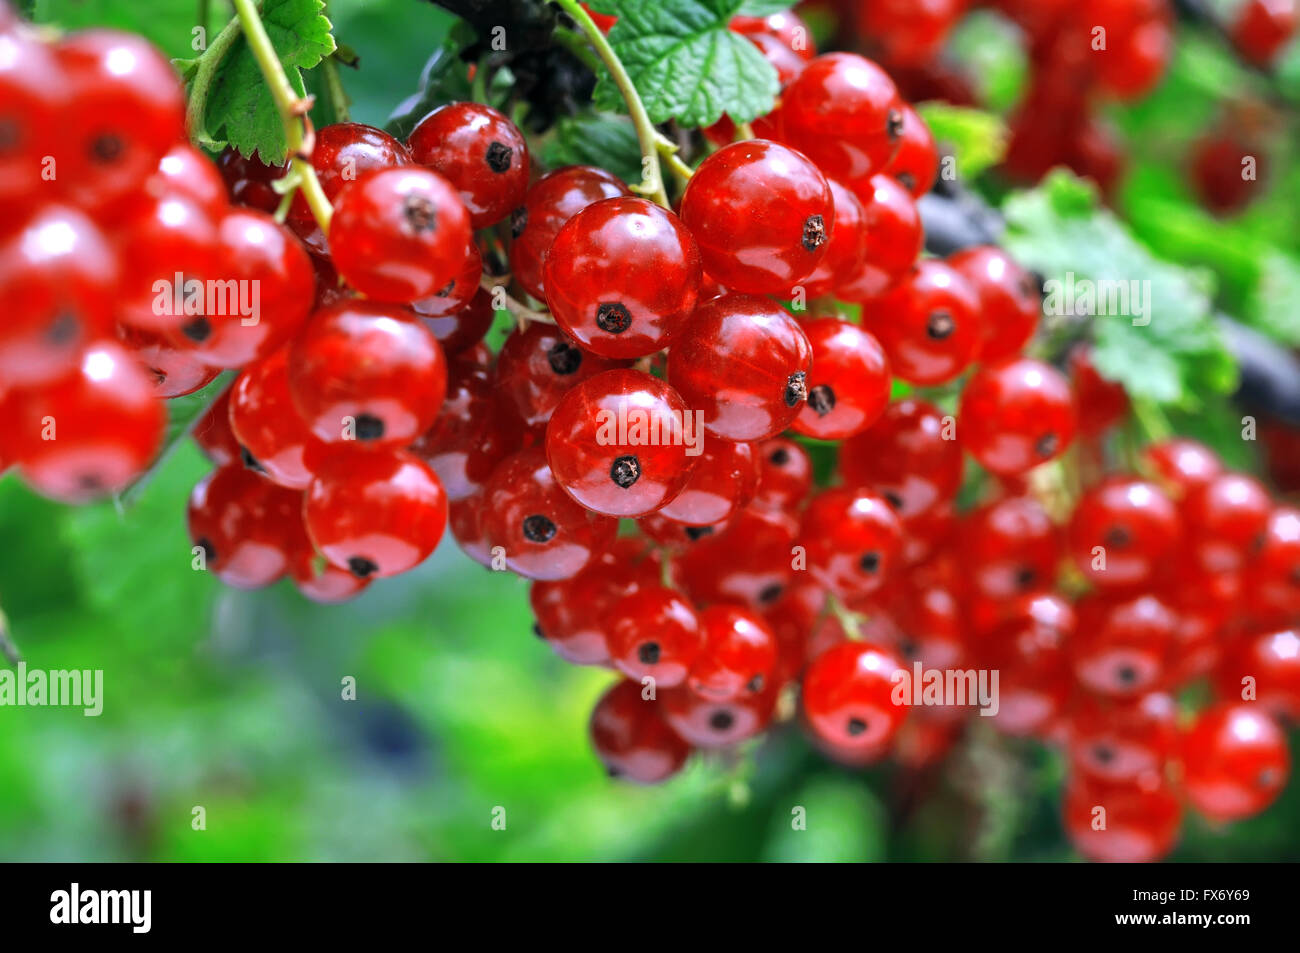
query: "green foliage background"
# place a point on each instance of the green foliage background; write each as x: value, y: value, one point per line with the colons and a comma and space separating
x: 230, y: 701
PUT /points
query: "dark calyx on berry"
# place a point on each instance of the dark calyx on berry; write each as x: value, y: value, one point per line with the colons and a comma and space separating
x: 770, y: 594
x: 721, y: 720
x: 1047, y: 445
x: 498, y: 157
x: 1103, y: 754
x: 445, y: 289
x: 870, y: 562
x: 697, y: 532
x: 361, y: 567
x: 250, y: 462
x: 1118, y: 537
x: 855, y: 727
x: 894, y: 125
x: 780, y: 456
x: 106, y: 148
x: 369, y: 427
x: 1025, y: 577
x: 625, y: 471
x: 814, y: 233
x: 907, y: 180
x: 1126, y: 674
x: 538, y: 529
x: 420, y: 214
x: 209, y: 551
x: 537, y: 631
x: 564, y: 358
x: 63, y: 329
x: 198, y: 330
x: 940, y: 325
x: 648, y: 653
x: 821, y: 399
x: 893, y: 498
x: 755, y: 684
x: 518, y: 221
x: 796, y: 388
x: 613, y: 317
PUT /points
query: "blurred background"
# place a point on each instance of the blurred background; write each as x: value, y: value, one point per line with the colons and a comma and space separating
x: 232, y: 701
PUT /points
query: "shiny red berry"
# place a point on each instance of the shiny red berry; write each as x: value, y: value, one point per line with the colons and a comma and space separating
x: 1235, y: 762
x: 1133, y: 822
x: 1010, y: 547
x: 631, y: 738
x: 1226, y: 521
x: 910, y: 456
x: 1017, y: 414
x: 745, y: 362
x: 762, y: 214
x: 538, y: 365
x: 618, y: 443
x: 785, y: 473
x: 738, y: 656
x: 848, y: 697
x: 894, y: 238
x: 852, y: 538
x: 929, y: 324
x: 344, y: 152
x: 847, y: 249
x: 1010, y: 304
x: 1122, y: 532
x: 274, y: 438
x: 916, y: 163
x: 654, y: 633
x: 723, y: 481
x: 849, y: 386
x: 239, y: 523
x: 1123, y: 647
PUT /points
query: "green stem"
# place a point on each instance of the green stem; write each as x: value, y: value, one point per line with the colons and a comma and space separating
x: 1152, y: 420
x: 288, y: 104
x: 668, y: 150
x: 333, y: 85
x: 850, y: 621
x: 576, y: 44
x: 652, y: 181
x: 208, y: 63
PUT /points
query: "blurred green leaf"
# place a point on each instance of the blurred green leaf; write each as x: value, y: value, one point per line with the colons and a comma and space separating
x: 606, y: 141
x: 842, y: 822
x: 977, y: 139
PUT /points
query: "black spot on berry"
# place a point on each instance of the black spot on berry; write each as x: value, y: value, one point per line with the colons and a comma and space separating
x: 698, y: 532
x: 106, y: 148
x: 780, y: 457
x: 721, y: 720
x: 1118, y: 537
x: 613, y: 317
x: 821, y: 399
x: 537, y: 631
x: 8, y: 134
x: 770, y: 594
x: 209, y: 551
x: 625, y: 471
x: 498, y: 157
x: 250, y: 462
x: 1102, y: 754
x: 894, y: 499
x: 564, y: 358
x: 1047, y: 445
x: 814, y: 233
x: 538, y: 529
x: 198, y: 330
x: 1025, y: 577
x: 648, y: 653
x: 1126, y: 674
x: 870, y: 562
x: 754, y: 685
x: 796, y: 389
x: 518, y: 221
x: 64, y: 329
x: 907, y: 180
x: 940, y: 325
x: 855, y: 727
x: 445, y: 289
x: 369, y: 427
x: 894, y: 125
x: 420, y: 214
x: 361, y: 567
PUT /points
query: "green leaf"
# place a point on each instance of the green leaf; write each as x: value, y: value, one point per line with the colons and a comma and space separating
x: 592, y: 139
x: 763, y: 8
x: 977, y: 139
x: 167, y: 24
x: 1273, y: 310
x: 685, y: 63
x: 238, y: 109
x: 1166, y: 347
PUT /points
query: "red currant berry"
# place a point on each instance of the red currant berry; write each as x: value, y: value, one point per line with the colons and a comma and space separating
x: 1017, y: 414
x: 916, y: 163
x: 176, y: 371
x: 894, y: 238
x: 1010, y: 303
x: 480, y: 152
x: 1122, y: 740
x: 850, y: 384
x: 711, y: 724
x: 312, y: 574
x: 275, y: 440
x: 929, y: 324
x: 169, y: 250
x: 454, y: 296
x: 399, y: 234
x: 848, y: 697
x: 473, y: 433
x: 909, y: 33
x: 549, y: 203
x: 33, y: 96
x: 632, y: 739
x: 910, y: 456
x: 738, y: 657
x: 88, y: 433
x: 58, y: 283
x: 248, y: 181
x: 622, y: 277
x: 846, y: 251
x: 1141, y: 819
x: 1182, y: 465
x: 853, y: 539
x: 845, y: 113
x: 345, y: 152
x: 1010, y: 547
x: 1122, y: 532
x: 544, y: 533
x: 785, y: 25
x: 1264, y: 667
x: 1276, y: 570
x: 1227, y: 521
x: 1261, y: 29
x: 238, y: 522
x: 1028, y: 651
x: 1101, y: 403
x: 723, y: 481
x: 213, y: 434
x: 785, y: 474
x: 618, y: 443
x: 1235, y: 762
x: 745, y: 362
x: 654, y: 633
x: 366, y: 371
x: 762, y: 214
x: 375, y: 514
x: 464, y: 329
x: 749, y: 562
x: 538, y: 366
x: 1123, y: 647
x: 130, y: 109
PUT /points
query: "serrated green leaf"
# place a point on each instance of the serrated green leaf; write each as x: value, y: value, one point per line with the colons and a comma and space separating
x: 592, y: 139
x: 239, y: 110
x: 977, y: 139
x: 1173, y: 353
x: 685, y: 63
